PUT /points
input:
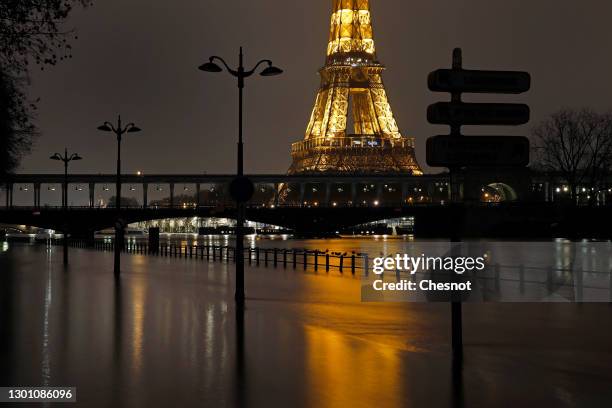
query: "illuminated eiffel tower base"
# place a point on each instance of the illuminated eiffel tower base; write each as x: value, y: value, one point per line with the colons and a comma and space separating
x: 352, y: 90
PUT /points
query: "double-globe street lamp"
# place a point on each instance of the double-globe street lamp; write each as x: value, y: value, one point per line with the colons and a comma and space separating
x: 119, y: 130
x: 66, y: 159
x: 242, y: 186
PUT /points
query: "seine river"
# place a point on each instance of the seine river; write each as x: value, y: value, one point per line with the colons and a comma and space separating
x: 167, y: 334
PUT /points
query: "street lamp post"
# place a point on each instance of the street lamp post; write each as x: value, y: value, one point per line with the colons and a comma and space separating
x: 119, y: 131
x: 240, y: 73
x: 66, y: 159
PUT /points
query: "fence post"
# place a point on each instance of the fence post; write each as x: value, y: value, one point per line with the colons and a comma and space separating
x: 214, y: 250
x: 294, y: 258
x: 305, y: 251
x: 353, y: 263
x: 285, y: 260
x: 497, y: 279
x: 342, y: 263
x: 327, y: 262
x: 316, y: 260
x: 266, y: 257
x: 208, y: 252
x: 275, y: 257
x: 257, y: 256
x: 610, y: 273
x: 579, y: 286
x: 549, y: 280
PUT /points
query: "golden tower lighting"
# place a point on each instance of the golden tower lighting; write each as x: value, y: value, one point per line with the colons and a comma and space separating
x: 352, y: 97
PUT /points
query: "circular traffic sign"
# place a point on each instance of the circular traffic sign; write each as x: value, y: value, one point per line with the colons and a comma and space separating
x: 242, y: 189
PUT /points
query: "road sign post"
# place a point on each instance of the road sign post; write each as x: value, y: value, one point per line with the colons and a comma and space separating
x: 456, y: 151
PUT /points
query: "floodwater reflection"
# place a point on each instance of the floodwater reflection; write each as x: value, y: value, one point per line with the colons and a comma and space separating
x: 167, y: 334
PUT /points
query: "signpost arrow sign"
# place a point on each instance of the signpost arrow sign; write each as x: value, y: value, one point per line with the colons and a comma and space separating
x: 459, y: 113
x: 476, y: 81
x: 485, y: 151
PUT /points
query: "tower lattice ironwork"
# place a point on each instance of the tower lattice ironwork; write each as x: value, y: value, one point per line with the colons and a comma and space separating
x: 352, y: 90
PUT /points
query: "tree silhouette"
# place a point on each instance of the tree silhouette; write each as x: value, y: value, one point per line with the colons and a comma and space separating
x: 577, y: 145
x: 16, y: 129
x: 30, y: 32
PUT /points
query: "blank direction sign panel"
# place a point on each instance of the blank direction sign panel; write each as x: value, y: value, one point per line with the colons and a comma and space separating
x: 457, y: 151
x: 451, y: 113
x: 476, y: 81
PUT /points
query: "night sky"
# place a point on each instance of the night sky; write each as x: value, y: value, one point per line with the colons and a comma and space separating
x: 140, y: 58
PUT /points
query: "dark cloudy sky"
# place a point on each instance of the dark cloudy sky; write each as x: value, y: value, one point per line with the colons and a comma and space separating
x: 140, y: 57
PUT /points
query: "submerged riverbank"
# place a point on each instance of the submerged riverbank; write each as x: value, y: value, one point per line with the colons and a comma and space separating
x: 167, y: 334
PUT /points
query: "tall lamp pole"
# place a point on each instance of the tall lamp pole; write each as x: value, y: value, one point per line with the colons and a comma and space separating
x: 66, y: 159
x: 240, y: 73
x: 119, y: 130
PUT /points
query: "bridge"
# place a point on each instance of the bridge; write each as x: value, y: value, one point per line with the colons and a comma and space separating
x: 170, y: 191
x: 297, y: 202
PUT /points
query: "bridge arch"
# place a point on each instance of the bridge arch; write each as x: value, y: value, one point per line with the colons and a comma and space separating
x: 498, y: 192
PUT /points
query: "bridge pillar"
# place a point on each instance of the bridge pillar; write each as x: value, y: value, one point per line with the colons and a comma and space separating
x: 92, y: 195
x: 198, y: 195
x: 145, y: 195
x: 327, y: 194
x: 354, y: 194
x: 9, y: 195
x: 379, y: 192
x: 302, y: 193
x: 431, y: 189
x: 404, y: 193
x: 37, y: 195
x: 171, y: 195
x: 276, y: 194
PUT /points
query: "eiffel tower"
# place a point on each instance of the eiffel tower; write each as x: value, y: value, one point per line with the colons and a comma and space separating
x: 352, y: 90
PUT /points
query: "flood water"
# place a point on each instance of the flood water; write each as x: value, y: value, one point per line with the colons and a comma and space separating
x: 167, y: 334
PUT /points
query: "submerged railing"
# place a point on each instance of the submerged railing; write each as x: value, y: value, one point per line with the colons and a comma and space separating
x: 494, y: 281
x: 276, y: 257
